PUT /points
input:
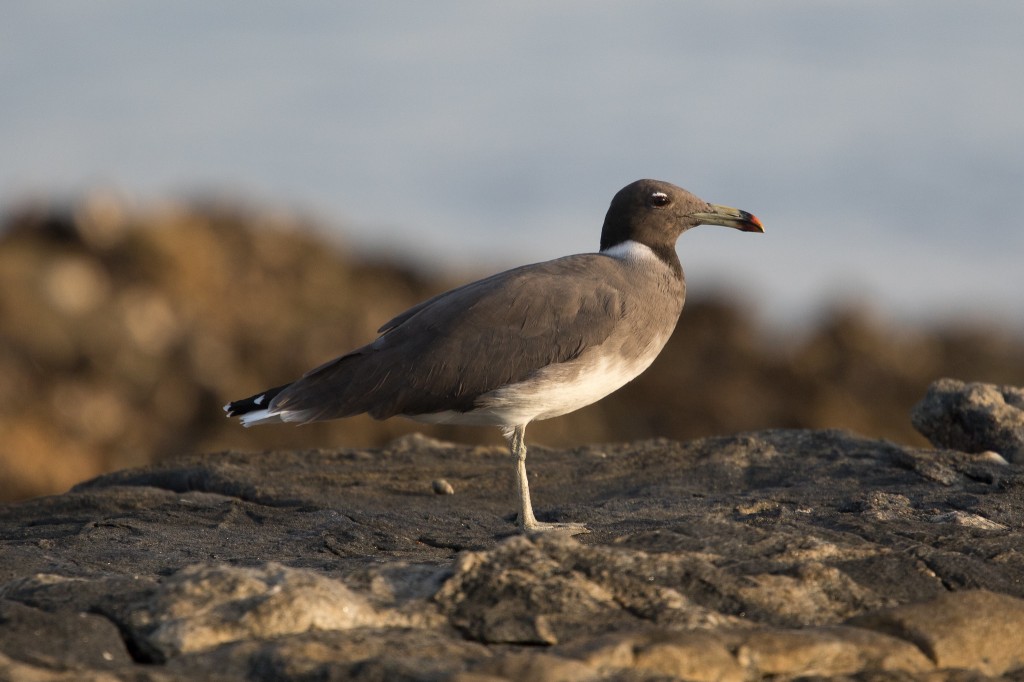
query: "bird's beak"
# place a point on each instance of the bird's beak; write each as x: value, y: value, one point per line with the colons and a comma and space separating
x: 729, y: 217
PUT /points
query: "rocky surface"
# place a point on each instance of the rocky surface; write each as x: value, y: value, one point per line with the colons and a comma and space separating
x: 124, y: 328
x: 973, y: 417
x: 779, y: 554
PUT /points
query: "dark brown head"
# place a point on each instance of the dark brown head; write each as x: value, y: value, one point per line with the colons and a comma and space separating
x: 655, y: 213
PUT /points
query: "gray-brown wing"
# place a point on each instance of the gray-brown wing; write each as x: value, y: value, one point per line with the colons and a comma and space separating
x: 403, y: 316
x: 446, y: 352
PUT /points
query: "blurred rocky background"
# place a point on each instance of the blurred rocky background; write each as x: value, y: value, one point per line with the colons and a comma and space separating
x: 124, y: 329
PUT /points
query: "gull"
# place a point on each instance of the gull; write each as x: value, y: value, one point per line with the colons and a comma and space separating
x: 530, y: 343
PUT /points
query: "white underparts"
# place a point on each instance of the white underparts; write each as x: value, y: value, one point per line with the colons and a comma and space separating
x: 554, y: 390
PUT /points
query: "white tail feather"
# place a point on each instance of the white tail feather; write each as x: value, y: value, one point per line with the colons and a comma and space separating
x: 259, y: 417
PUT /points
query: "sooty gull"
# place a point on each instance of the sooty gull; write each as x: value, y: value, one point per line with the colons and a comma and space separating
x: 530, y: 343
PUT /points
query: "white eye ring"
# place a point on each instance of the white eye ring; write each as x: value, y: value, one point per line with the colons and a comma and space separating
x: 659, y: 199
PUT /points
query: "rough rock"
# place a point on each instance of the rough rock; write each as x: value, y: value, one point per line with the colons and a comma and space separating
x: 784, y: 554
x: 202, y: 606
x: 97, y: 643
x: 973, y: 417
x: 973, y: 629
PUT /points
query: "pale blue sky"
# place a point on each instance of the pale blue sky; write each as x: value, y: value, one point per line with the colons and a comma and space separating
x: 881, y: 143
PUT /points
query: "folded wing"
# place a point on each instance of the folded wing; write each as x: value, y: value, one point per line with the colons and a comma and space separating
x: 446, y: 352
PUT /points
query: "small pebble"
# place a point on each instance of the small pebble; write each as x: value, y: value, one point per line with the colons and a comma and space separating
x: 994, y: 457
x: 442, y: 487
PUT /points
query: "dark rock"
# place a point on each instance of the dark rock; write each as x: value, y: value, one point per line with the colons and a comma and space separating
x: 365, y: 654
x: 86, y: 640
x: 781, y: 554
x: 973, y: 417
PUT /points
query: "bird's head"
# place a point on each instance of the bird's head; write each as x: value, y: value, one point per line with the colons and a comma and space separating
x: 655, y: 213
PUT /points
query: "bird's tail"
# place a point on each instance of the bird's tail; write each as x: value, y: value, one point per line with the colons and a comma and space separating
x: 255, y: 409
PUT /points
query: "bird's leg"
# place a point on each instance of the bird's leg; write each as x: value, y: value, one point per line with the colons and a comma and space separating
x: 517, y: 444
x: 527, y: 521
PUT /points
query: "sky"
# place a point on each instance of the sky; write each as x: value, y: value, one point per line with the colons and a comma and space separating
x: 881, y: 143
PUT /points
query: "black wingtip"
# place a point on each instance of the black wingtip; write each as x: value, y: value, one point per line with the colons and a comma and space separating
x: 260, y: 401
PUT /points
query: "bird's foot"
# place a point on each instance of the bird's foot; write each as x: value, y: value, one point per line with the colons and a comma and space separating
x: 545, y: 527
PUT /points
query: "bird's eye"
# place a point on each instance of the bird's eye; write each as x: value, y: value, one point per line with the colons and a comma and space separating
x: 659, y: 199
